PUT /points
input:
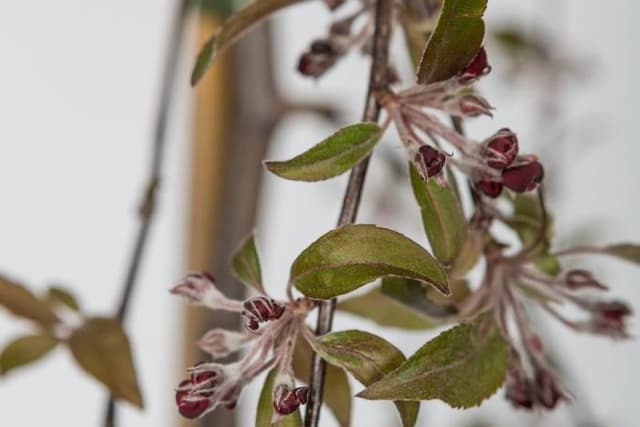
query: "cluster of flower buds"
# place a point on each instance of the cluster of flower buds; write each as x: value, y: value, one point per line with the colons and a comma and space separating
x: 518, y: 173
x: 214, y: 384
x: 541, y: 391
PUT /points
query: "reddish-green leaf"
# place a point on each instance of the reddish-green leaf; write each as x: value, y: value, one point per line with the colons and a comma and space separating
x: 21, y: 302
x: 386, y: 311
x: 25, y: 350
x: 246, y: 264
x: 462, y: 366
x: 337, y: 391
x: 442, y: 216
x: 353, y: 255
x: 264, y: 413
x: 331, y: 157
x: 454, y: 42
x: 101, y: 348
x: 368, y: 358
x: 232, y: 30
x: 414, y: 295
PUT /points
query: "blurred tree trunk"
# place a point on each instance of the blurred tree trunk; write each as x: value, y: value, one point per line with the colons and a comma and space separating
x: 235, y: 112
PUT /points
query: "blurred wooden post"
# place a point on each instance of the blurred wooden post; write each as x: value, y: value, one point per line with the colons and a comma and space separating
x: 234, y: 114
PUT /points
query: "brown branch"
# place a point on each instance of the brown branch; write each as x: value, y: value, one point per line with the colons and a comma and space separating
x: 353, y: 193
x: 147, y: 207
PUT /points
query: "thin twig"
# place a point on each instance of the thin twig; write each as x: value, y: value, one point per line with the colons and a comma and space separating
x: 147, y: 207
x: 377, y: 82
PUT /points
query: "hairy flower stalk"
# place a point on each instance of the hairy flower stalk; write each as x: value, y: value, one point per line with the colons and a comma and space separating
x: 272, y: 328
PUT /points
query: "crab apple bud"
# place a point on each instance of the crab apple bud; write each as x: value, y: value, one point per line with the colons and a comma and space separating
x: 608, y: 318
x: 190, y: 406
x: 430, y: 161
x: 474, y: 106
x: 196, y: 287
x: 321, y: 56
x: 579, y: 279
x: 524, y: 176
x: 548, y: 393
x: 519, y: 390
x: 221, y: 342
x: 489, y: 188
x: 302, y: 393
x: 261, y: 309
x: 476, y: 68
x: 285, y: 400
x: 501, y: 149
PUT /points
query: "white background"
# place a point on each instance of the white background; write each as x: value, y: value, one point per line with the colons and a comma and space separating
x: 78, y: 83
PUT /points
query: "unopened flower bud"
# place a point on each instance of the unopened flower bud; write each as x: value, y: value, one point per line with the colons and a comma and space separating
x: 519, y: 390
x: 524, y: 176
x: 221, y: 342
x: 321, y: 56
x: 489, y: 188
x: 430, y: 161
x: 609, y: 318
x: 190, y: 406
x: 501, y: 149
x: 476, y: 68
x: 286, y: 399
x: 578, y: 279
x: 261, y: 309
x: 200, y: 288
x: 473, y: 106
x: 548, y: 392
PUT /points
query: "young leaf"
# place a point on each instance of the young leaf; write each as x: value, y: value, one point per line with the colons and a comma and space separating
x: 246, y: 264
x: 442, y: 216
x: 21, y: 302
x: 264, y: 412
x: 232, y: 30
x: 350, y: 256
x: 454, y: 42
x: 414, y: 295
x: 101, y: 348
x: 337, y: 391
x: 368, y: 358
x: 331, y: 157
x: 386, y: 311
x: 462, y: 366
x: 626, y: 251
x: 25, y: 350
x: 56, y: 295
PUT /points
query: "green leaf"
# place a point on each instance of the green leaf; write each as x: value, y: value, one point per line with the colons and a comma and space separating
x: 386, y: 311
x: 454, y: 42
x: 626, y: 251
x: 25, y: 350
x: 331, y: 157
x: 470, y: 253
x: 246, y: 264
x: 462, y: 367
x: 350, y: 256
x: 101, y: 348
x: 21, y: 302
x: 368, y: 358
x: 264, y: 412
x: 414, y: 295
x: 232, y: 30
x: 337, y: 391
x: 56, y: 295
x: 442, y: 216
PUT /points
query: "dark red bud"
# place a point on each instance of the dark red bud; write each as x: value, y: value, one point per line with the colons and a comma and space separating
x: 474, y: 106
x: 285, y: 400
x: 520, y: 393
x: 189, y: 408
x: 614, y: 311
x: 477, y: 67
x: 430, y: 160
x: 547, y: 391
x: 302, y: 393
x: 578, y: 279
x: 501, y: 149
x: 261, y: 309
x: 523, y: 177
x: 489, y: 188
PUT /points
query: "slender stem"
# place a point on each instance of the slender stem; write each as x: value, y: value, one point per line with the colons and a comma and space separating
x: 377, y: 82
x: 147, y: 208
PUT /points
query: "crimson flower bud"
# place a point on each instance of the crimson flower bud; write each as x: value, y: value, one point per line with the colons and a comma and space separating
x: 548, y: 393
x: 501, y: 149
x: 321, y: 56
x: 430, y: 161
x: 523, y: 177
x: 261, y: 309
x: 190, y: 406
x: 609, y: 318
x: 476, y: 68
x: 519, y: 390
x: 474, y: 106
x: 286, y: 400
x: 578, y: 279
x: 489, y: 188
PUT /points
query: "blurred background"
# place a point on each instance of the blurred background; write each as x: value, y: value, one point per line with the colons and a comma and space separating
x: 79, y: 89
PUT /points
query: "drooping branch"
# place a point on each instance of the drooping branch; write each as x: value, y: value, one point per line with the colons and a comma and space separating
x: 377, y: 82
x: 148, y: 204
